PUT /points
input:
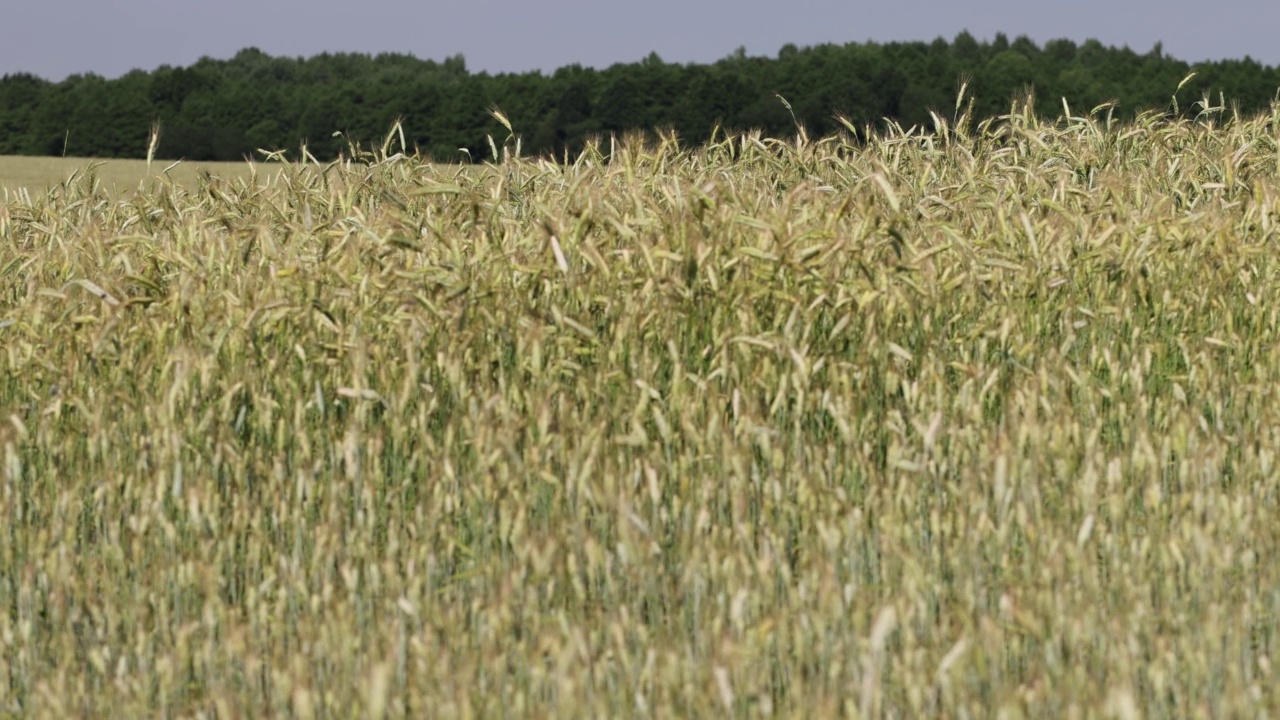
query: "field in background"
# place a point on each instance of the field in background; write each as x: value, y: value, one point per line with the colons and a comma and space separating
x: 34, y: 174
x: 983, y: 422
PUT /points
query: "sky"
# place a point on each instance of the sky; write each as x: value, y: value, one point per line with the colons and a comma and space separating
x: 56, y: 38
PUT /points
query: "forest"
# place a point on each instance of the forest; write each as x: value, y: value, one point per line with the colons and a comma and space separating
x: 231, y: 109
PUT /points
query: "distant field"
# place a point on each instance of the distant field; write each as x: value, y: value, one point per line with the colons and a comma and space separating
x: 37, y: 173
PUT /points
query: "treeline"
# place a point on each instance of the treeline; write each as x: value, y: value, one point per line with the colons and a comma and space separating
x: 226, y: 109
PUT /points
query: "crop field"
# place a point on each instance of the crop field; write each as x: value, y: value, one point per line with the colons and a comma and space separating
x: 35, y: 174
x: 976, y: 421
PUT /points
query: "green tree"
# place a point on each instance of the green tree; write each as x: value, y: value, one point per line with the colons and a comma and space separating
x: 225, y: 109
x: 20, y: 96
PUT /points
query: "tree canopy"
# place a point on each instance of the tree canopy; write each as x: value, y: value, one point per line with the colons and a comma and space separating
x: 229, y: 109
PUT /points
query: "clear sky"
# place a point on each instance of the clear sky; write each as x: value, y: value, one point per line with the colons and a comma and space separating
x: 54, y: 38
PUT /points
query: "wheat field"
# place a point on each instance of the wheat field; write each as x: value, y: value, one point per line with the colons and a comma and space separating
x: 116, y: 176
x: 975, y: 421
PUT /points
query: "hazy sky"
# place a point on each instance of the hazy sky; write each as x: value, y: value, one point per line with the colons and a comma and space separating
x: 54, y: 38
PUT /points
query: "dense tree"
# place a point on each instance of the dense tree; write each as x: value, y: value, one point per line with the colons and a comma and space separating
x: 228, y: 109
x: 20, y: 96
